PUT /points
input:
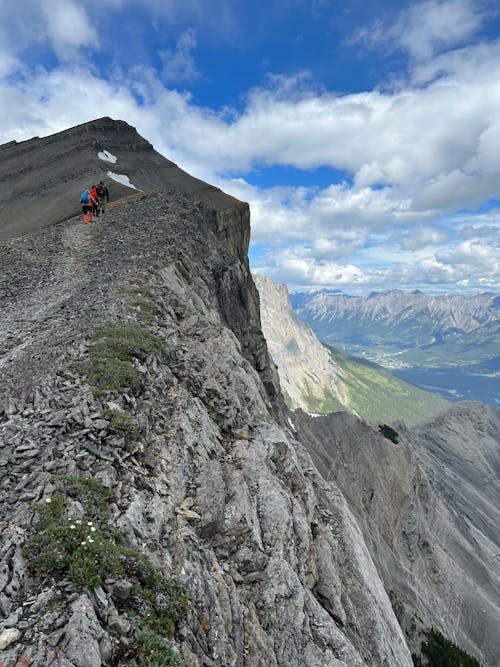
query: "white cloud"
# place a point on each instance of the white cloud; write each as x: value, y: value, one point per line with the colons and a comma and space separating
x: 473, y: 254
x: 464, y: 267
x: 424, y: 29
x: 64, y: 25
x: 424, y: 237
x: 179, y: 65
x: 334, y: 248
x: 68, y: 27
x: 298, y: 268
x: 480, y: 231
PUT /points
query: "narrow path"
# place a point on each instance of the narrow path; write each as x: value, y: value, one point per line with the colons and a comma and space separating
x: 46, y: 270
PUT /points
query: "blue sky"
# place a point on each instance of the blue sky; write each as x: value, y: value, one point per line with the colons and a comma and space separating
x: 364, y: 134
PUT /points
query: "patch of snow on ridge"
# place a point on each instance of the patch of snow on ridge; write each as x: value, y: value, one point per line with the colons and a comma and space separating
x: 107, y: 156
x: 123, y: 179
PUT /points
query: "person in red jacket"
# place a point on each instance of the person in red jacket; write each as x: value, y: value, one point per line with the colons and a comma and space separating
x: 88, y: 204
x: 95, y: 206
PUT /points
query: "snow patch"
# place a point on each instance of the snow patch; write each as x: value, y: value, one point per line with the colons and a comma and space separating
x: 123, y: 179
x: 292, y: 425
x: 107, y: 156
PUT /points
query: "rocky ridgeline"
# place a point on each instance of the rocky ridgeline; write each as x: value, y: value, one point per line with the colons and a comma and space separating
x: 198, y: 468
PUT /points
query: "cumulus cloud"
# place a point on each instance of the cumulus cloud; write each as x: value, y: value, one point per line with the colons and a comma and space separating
x: 461, y: 268
x: 472, y: 254
x: 68, y: 27
x: 334, y: 248
x: 298, y: 268
x: 480, y: 231
x: 428, y: 27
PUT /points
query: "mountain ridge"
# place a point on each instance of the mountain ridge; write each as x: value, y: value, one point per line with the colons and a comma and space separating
x: 134, y: 366
x: 41, y: 179
x: 424, y: 484
x: 207, y: 489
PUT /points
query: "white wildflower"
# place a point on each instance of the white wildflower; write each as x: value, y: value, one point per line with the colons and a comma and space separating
x: 72, y: 526
x: 93, y: 529
x: 48, y: 500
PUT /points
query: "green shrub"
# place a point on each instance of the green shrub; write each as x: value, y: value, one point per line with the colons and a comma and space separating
x: 89, y: 549
x: 134, y: 290
x: 314, y: 530
x: 122, y: 421
x: 86, y: 548
x: 114, y: 346
x: 146, y: 310
x: 73, y: 547
x: 155, y: 651
x: 389, y: 433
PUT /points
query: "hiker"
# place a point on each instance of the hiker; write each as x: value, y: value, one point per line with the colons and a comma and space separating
x: 102, y: 195
x: 87, y: 205
x: 95, y: 206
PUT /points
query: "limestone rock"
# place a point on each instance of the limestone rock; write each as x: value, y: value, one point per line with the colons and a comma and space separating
x: 8, y: 637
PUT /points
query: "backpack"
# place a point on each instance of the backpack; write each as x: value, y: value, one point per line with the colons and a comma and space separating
x: 85, y: 198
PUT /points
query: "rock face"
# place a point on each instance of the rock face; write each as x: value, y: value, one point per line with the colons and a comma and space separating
x: 215, y: 489
x: 320, y: 380
x: 306, y: 367
x: 209, y: 478
x: 428, y: 507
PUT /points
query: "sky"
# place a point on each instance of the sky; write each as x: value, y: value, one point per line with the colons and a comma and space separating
x: 365, y: 134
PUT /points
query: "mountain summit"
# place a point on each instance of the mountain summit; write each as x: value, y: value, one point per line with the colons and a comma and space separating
x: 41, y: 179
x: 159, y: 504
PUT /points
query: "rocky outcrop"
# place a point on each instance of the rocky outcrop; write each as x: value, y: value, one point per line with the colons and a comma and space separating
x: 428, y: 507
x: 209, y: 483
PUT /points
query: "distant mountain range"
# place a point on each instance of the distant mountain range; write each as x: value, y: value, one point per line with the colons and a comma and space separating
x: 447, y: 343
x: 320, y: 379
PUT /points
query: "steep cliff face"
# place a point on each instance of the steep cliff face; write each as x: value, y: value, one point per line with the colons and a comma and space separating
x: 428, y: 507
x: 320, y: 380
x: 187, y: 433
